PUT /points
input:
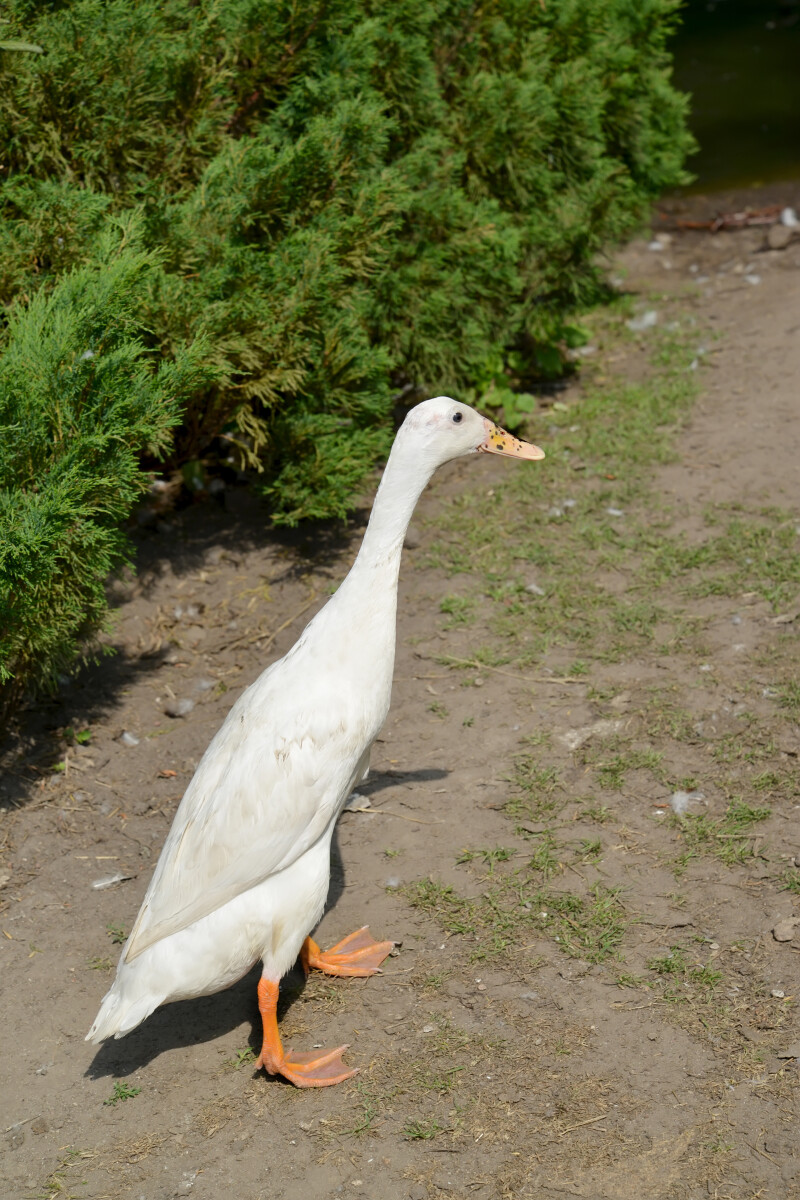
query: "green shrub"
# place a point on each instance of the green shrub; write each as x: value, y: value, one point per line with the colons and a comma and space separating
x: 349, y: 200
x: 79, y: 402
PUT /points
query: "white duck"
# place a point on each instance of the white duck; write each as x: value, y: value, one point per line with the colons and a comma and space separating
x: 244, y: 872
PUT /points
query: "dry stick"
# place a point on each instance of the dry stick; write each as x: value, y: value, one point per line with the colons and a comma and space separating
x: 248, y: 639
x: 471, y: 662
x: 589, y: 1121
x: 384, y: 812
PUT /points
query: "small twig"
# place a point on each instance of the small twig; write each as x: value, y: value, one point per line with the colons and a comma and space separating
x: 479, y: 666
x: 384, y: 812
x: 250, y: 639
x: 588, y: 1121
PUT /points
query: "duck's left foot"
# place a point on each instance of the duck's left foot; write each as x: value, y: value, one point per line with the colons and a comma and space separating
x: 357, y: 954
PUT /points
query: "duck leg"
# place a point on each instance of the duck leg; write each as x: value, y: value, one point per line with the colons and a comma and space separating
x: 357, y: 954
x: 310, y: 1068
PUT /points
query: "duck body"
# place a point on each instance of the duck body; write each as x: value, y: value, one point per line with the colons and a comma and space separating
x: 244, y: 872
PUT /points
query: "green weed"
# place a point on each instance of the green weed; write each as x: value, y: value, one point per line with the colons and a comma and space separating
x: 122, y: 1091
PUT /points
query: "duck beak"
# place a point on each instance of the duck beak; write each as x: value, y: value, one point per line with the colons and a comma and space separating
x: 497, y: 441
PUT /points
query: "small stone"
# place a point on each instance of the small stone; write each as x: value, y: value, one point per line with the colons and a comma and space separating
x: 789, y: 218
x: 428, y: 1028
x: 785, y: 929
x: 204, y: 685
x: 178, y: 708
x: 646, y: 321
x: 128, y: 739
x: 39, y: 1125
x: 792, y: 1051
x: 752, y: 279
x: 779, y: 236
x: 615, y: 512
x: 777, y: 994
x: 534, y: 589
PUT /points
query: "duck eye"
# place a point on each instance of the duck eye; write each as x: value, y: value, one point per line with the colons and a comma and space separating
x: 458, y: 417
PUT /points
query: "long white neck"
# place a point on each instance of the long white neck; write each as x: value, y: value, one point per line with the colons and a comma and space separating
x: 374, y: 573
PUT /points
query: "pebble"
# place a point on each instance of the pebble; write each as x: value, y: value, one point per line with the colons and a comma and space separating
x: 784, y: 931
x: 752, y: 279
x: 646, y: 321
x: 128, y: 739
x: 178, y: 708
x: 534, y: 589
x: 779, y: 236
x: 615, y: 512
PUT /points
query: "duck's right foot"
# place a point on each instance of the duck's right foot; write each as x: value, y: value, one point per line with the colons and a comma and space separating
x: 309, y: 1068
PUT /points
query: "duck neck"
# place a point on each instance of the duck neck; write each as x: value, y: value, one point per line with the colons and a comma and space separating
x: 402, y: 484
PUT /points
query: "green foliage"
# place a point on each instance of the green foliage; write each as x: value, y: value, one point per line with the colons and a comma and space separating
x: 80, y: 400
x: 122, y: 1091
x: 340, y: 201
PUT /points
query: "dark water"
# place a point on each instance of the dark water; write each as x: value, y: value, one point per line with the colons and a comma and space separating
x: 740, y: 60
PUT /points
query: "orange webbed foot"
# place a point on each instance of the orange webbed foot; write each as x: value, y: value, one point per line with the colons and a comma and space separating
x: 356, y: 955
x: 310, y: 1068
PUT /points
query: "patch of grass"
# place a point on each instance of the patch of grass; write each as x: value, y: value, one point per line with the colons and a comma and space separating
x: 369, y: 1107
x: 789, y: 699
x: 116, y: 933
x: 626, y: 980
x: 122, y: 1091
x: 242, y: 1058
x: 545, y: 858
x: 535, y: 786
x: 514, y: 906
x: 459, y: 609
x: 591, y: 849
x: 597, y: 812
x: 55, y: 1183
x: 728, y: 838
x: 422, y: 1130
x: 100, y: 964
x: 438, y: 709
x: 789, y: 880
x: 490, y: 857
x: 611, y: 772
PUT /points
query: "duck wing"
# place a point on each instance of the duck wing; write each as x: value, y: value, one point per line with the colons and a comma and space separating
x: 258, y: 800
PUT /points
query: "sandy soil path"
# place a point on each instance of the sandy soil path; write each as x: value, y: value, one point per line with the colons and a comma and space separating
x: 493, y: 1064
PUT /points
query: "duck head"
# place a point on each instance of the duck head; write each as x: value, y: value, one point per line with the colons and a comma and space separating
x: 444, y: 428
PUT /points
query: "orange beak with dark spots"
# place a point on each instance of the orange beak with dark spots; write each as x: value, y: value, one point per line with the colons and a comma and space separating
x: 497, y: 441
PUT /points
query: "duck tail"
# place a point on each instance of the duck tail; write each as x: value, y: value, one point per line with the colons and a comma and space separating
x: 116, y: 1017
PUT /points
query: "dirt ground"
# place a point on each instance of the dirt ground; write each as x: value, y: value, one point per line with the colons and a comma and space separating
x: 595, y: 992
